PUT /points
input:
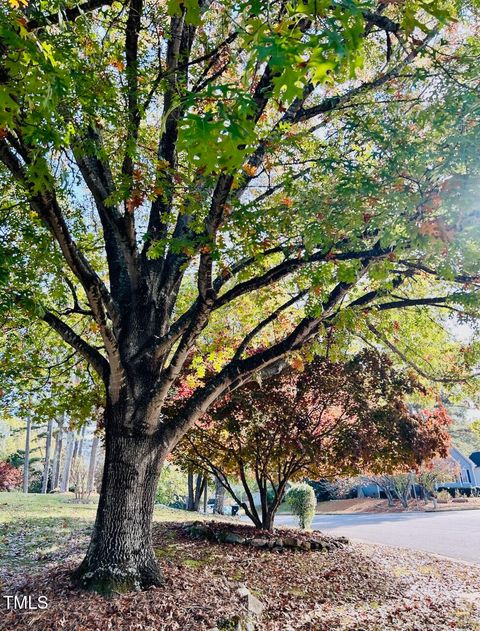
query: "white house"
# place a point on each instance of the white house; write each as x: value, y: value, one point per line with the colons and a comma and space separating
x: 469, y: 466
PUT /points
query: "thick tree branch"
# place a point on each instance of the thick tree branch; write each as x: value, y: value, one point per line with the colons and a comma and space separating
x: 131, y: 55
x: 265, y: 322
x: 238, y: 372
x: 118, y: 231
x: 93, y: 357
x: 46, y: 205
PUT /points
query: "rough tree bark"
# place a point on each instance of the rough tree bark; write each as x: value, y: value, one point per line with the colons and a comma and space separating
x: 48, y: 448
x: 120, y: 556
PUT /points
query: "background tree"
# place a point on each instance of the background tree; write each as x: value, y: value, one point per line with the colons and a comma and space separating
x: 330, y: 419
x: 315, y: 149
x: 10, y: 477
x: 47, y: 466
x: 431, y: 476
x: 172, y: 486
x: 196, y: 485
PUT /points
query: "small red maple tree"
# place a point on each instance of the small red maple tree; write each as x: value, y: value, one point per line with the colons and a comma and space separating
x: 330, y: 419
x: 10, y: 477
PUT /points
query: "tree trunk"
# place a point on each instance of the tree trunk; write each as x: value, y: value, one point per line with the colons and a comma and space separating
x: 57, y: 457
x: 120, y: 556
x: 68, y: 462
x: 92, y: 465
x: 26, y: 461
x: 390, y: 499
x: 80, y: 444
x: 263, y: 490
x: 267, y: 520
x: 190, y: 490
x: 199, y: 488
x: 195, y: 490
x: 48, y: 448
x: 205, y: 496
x: 219, y: 506
x: 76, y: 442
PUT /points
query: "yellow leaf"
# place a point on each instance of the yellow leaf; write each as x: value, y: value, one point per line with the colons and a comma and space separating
x: 17, y: 3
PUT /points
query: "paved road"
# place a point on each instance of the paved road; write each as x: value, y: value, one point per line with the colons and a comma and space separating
x: 451, y: 534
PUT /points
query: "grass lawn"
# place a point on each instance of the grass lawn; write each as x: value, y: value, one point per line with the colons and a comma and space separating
x: 44, y: 528
x: 354, y: 588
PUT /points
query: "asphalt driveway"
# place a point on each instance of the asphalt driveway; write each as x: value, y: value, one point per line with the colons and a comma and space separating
x: 451, y: 534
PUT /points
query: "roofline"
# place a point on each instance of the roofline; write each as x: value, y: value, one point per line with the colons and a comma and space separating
x: 463, y: 456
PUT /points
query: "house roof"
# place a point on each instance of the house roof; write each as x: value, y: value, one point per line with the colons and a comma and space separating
x: 475, y: 456
x: 457, y: 455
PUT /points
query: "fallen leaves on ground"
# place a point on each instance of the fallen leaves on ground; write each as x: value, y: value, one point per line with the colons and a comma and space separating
x: 354, y: 588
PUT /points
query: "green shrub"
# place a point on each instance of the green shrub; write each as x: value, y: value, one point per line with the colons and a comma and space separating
x: 302, y: 501
x: 444, y: 496
x: 172, y: 485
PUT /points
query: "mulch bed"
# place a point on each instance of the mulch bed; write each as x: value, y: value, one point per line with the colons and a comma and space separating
x: 351, y: 588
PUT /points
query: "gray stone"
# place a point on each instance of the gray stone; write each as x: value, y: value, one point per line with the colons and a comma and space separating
x: 259, y: 543
x: 306, y: 545
x: 199, y: 529
x: 292, y: 542
x: 254, y: 605
x: 232, y: 537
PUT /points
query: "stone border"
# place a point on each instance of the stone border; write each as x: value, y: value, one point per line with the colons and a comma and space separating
x: 201, y: 530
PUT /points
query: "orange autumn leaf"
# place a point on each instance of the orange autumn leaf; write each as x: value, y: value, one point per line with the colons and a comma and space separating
x: 249, y: 169
x: 135, y: 200
x: 118, y: 64
x: 436, y: 229
x: 297, y: 364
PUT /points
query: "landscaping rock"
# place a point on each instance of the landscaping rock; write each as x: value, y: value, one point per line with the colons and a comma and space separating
x: 274, y: 540
x: 237, y: 623
x: 199, y: 529
x: 259, y: 543
x: 232, y: 537
x: 254, y: 605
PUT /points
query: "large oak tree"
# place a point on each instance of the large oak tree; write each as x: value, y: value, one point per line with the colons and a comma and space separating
x: 166, y: 163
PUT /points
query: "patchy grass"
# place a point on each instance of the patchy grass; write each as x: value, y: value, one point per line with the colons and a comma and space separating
x: 357, y: 588
x: 44, y: 529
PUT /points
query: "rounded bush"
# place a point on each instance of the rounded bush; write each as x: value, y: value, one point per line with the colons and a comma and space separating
x: 302, y: 501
